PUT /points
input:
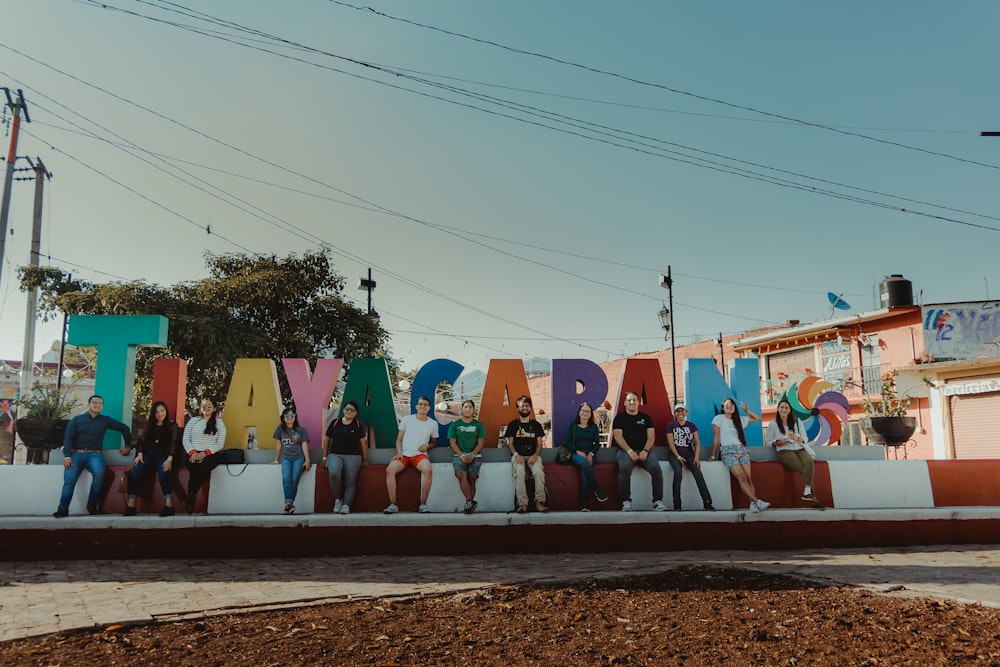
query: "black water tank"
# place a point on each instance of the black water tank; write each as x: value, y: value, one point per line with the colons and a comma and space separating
x: 896, y: 291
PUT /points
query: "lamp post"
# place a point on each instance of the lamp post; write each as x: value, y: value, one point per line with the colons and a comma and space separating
x: 667, y: 322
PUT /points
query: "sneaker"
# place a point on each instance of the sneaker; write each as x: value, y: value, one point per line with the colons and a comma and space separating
x: 345, y: 509
x: 584, y: 509
x: 471, y: 506
x: 289, y: 508
x: 93, y: 509
x: 762, y: 504
x: 660, y: 506
x: 709, y: 507
x: 337, y: 506
x: 129, y: 511
x: 188, y: 501
x: 167, y: 511
x: 393, y: 508
x: 60, y: 513
x: 522, y: 509
x: 627, y: 506
x: 811, y: 499
x: 754, y: 508
x: 600, y: 496
x: 468, y: 507
x: 677, y: 506
x: 423, y: 509
x: 540, y: 506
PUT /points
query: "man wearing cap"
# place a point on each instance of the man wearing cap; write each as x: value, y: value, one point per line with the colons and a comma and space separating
x: 684, y: 446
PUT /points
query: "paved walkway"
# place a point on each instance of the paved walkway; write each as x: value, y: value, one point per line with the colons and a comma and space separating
x: 42, y: 597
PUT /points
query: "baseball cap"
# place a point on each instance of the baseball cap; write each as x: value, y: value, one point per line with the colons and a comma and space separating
x: 679, y: 406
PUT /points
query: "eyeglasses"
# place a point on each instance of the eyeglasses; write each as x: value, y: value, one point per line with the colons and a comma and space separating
x: 290, y: 415
x: 349, y: 410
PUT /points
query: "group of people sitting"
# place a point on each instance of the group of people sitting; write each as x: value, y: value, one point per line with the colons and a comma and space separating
x: 346, y: 444
x: 161, y: 445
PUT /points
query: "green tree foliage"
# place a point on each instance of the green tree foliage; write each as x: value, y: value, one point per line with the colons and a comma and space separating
x: 260, y: 306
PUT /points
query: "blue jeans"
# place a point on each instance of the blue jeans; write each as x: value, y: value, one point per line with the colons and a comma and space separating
x: 588, y: 482
x: 291, y: 473
x: 695, y: 471
x: 153, y: 458
x: 92, y: 461
x: 625, y: 468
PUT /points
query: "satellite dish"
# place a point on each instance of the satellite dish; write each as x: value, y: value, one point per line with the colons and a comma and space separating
x: 836, y: 303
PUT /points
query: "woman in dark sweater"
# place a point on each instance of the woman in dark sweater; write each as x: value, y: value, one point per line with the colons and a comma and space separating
x: 583, y: 438
x: 159, y: 443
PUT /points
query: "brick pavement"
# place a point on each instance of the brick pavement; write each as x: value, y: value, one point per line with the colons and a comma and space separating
x: 43, y: 597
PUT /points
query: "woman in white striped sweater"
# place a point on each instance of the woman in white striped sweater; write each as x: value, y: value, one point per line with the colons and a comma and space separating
x: 204, y: 437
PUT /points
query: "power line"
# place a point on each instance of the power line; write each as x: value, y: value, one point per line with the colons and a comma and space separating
x: 431, y: 224
x: 701, y: 162
x: 677, y: 91
x: 642, y: 107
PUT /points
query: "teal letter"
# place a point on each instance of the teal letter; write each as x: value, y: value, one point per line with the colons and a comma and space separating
x: 116, y: 337
x: 705, y: 389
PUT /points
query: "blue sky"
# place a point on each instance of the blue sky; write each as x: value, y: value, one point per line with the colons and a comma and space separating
x: 514, y: 239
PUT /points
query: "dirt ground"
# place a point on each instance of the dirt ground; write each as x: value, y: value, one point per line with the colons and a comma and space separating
x: 689, y: 616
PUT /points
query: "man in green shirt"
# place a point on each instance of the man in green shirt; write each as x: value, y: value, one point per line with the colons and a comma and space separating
x: 467, y: 436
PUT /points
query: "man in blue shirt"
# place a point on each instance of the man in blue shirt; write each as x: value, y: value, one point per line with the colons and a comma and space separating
x: 82, y: 448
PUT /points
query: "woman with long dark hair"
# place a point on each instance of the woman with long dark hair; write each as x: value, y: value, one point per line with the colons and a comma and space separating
x: 345, y: 450
x: 159, y: 444
x: 730, y: 444
x: 204, y: 438
x: 785, y: 434
x: 583, y: 438
x: 292, y: 452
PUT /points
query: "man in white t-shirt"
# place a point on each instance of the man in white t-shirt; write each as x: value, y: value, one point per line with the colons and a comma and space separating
x: 417, y: 434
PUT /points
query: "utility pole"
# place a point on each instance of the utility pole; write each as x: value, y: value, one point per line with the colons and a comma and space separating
x: 17, y: 108
x: 667, y: 322
x: 369, y: 286
x: 722, y: 356
x: 28, y: 358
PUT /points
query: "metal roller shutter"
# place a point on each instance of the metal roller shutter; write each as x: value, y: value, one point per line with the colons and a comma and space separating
x: 974, y: 429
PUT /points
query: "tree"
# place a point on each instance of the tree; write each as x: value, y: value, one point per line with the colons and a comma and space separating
x: 259, y: 306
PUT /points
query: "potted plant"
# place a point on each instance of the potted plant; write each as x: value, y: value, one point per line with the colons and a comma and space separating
x: 47, y: 414
x: 886, y: 422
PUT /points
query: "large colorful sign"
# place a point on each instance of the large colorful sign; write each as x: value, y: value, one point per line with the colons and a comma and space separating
x: 254, y: 397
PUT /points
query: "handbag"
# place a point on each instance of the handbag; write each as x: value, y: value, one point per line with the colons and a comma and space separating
x: 231, y: 456
x: 564, y: 455
x: 123, y: 482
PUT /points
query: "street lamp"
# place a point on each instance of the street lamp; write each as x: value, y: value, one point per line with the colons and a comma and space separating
x: 667, y: 322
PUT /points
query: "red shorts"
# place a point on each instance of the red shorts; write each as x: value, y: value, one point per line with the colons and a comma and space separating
x: 413, y: 460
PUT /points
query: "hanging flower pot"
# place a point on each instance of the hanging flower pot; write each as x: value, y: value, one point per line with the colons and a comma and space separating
x: 890, y: 431
x: 41, y: 433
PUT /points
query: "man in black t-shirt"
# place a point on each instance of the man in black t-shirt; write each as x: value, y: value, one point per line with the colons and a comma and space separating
x: 633, y: 433
x: 524, y: 440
